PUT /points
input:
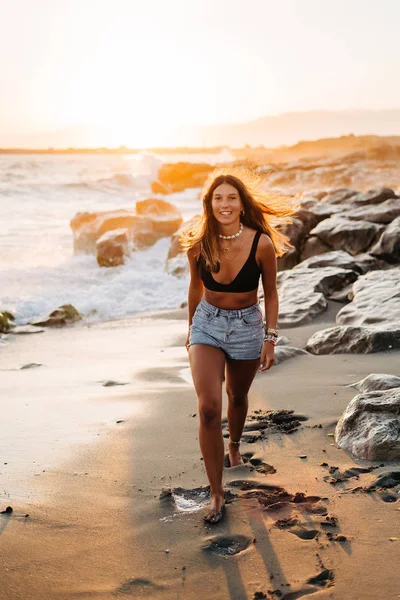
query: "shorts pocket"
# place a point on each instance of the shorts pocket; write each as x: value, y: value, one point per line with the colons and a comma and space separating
x: 203, y: 314
x: 253, y: 318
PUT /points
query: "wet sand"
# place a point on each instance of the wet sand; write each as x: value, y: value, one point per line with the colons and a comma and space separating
x: 91, y: 485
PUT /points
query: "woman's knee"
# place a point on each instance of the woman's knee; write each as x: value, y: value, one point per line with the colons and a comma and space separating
x: 210, y: 411
x: 236, y: 399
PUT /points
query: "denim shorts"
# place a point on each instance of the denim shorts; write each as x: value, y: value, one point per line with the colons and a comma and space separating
x: 239, y: 333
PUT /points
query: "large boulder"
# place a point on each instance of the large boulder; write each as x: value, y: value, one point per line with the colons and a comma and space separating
x: 87, y: 228
x: 165, y: 218
x: 176, y: 177
x: 302, y: 292
x: 370, y: 426
x: 362, y: 263
x: 176, y: 247
x: 339, y: 196
x: 388, y: 245
x: 64, y: 315
x: 376, y: 381
x: 376, y: 213
x: 112, y: 247
x: 152, y: 220
x: 313, y: 247
x: 344, y: 234
x: 354, y: 340
x: 376, y: 300
x: 375, y: 196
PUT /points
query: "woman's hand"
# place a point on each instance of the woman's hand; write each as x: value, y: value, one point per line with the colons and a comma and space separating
x: 187, y: 342
x: 267, y: 356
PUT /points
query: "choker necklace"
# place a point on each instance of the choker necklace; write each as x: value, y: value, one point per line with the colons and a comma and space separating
x: 230, y: 237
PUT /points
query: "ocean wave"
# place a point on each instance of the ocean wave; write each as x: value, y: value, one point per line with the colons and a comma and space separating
x: 98, y: 293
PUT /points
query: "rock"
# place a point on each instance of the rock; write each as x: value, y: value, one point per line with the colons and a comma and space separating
x: 152, y: 220
x: 175, y: 247
x: 314, y: 246
x: 376, y: 381
x: 371, y: 292
x: 375, y: 196
x: 370, y: 426
x: 324, y: 211
x: 309, y: 219
x: 282, y: 353
x: 4, y: 323
x: 376, y: 213
x: 165, y: 217
x: 87, y: 228
x: 302, y: 292
x: 354, y: 340
x: 64, y: 315
x: 339, y: 196
x: 112, y: 247
x: 115, y: 220
x: 344, y: 234
x: 295, y: 232
x: 288, y: 260
x: 176, y: 177
x: 388, y: 245
x: 345, y: 295
x: 361, y: 263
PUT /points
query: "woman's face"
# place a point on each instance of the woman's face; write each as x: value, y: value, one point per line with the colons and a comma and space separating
x: 226, y: 204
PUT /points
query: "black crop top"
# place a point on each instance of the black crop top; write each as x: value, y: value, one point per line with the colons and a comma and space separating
x: 245, y: 281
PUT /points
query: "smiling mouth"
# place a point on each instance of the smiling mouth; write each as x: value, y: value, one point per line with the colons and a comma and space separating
x: 225, y: 212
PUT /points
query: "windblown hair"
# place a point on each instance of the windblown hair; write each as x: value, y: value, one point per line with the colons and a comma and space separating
x: 263, y: 210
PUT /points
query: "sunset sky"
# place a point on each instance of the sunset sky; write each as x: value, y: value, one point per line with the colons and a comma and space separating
x: 138, y: 71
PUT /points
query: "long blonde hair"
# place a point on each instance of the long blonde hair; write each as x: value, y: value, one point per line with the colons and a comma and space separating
x: 264, y: 212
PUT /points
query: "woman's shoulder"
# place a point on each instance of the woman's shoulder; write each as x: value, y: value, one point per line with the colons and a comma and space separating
x: 194, y: 252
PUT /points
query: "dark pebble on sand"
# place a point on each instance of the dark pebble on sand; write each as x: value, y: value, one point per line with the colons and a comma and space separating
x: 340, y: 538
x: 258, y: 595
x: 324, y: 464
x: 7, y: 511
x: 120, y: 421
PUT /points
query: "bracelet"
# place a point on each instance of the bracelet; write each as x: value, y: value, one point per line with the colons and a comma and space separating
x: 271, y: 340
x: 272, y: 330
x: 271, y: 337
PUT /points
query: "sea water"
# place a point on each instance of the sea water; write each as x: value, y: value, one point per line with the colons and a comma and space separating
x: 40, y: 194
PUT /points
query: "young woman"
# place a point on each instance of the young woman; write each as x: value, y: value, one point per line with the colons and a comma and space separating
x: 229, y: 248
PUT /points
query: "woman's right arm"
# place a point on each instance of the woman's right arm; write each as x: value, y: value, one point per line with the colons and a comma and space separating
x: 196, y: 286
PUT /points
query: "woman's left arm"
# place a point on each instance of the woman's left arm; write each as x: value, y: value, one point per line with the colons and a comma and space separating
x: 268, y: 265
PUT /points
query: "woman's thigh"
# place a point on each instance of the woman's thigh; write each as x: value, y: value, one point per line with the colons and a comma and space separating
x: 240, y: 375
x: 207, y: 365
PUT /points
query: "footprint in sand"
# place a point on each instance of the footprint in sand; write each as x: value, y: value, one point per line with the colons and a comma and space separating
x: 324, y: 579
x: 263, y: 422
x: 191, y: 500
x: 256, y: 463
x: 227, y: 545
x: 135, y: 586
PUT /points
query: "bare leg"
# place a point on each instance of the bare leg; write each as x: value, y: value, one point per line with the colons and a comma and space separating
x: 239, y: 377
x: 207, y: 365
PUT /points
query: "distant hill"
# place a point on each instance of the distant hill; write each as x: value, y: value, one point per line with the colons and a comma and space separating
x: 290, y: 128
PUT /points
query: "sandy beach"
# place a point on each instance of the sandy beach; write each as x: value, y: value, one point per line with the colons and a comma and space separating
x: 88, y: 463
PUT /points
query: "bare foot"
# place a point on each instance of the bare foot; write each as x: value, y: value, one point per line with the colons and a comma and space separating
x: 216, y: 509
x: 234, y: 454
